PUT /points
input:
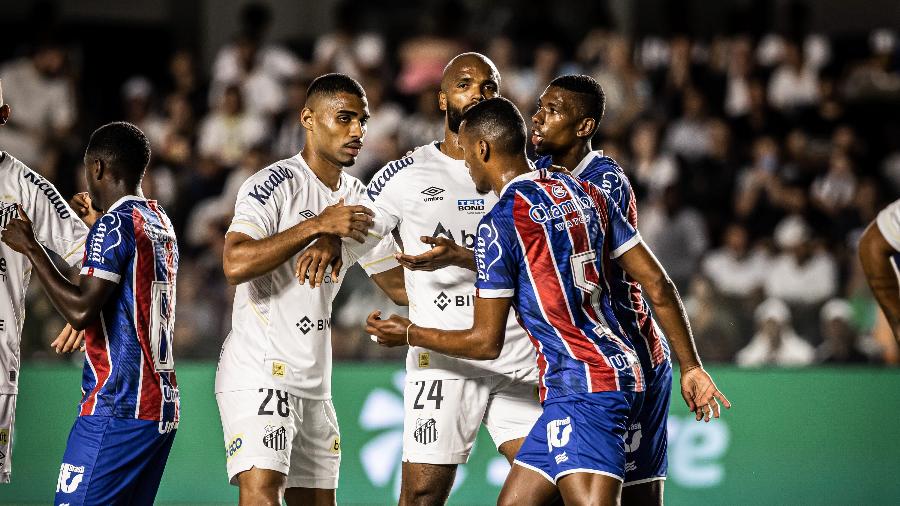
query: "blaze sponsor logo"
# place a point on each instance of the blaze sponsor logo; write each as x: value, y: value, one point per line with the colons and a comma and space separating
x: 306, y: 325
x: 263, y: 191
x: 376, y: 185
x: 443, y: 300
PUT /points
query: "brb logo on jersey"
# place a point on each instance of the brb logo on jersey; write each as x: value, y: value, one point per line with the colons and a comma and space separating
x: 558, y: 433
x: 262, y: 192
x: 69, y: 478
x: 376, y: 185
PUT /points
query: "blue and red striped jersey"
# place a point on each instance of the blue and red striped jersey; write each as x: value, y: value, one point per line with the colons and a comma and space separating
x: 632, y: 310
x: 547, y: 244
x: 129, y: 368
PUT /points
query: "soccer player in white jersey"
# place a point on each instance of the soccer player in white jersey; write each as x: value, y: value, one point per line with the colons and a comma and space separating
x: 59, y: 230
x: 429, y: 196
x: 879, y: 253
x: 273, y: 384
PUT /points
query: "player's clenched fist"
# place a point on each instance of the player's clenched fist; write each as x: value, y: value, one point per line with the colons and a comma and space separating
x: 346, y: 221
x: 81, y: 204
x: 391, y: 332
x: 19, y: 234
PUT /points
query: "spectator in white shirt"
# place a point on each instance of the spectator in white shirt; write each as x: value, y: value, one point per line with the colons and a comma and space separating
x: 801, y: 273
x: 794, y: 83
x: 735, y: 269
x: 226, y: 134
x: 775, y: 342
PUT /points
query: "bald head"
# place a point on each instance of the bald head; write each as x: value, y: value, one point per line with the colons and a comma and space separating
x: 468, y: 63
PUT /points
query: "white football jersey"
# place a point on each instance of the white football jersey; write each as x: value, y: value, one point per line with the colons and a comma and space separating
x: 889, y: 224
x: 427, y: 193
x: 281, y: 330
x: 56, y: 227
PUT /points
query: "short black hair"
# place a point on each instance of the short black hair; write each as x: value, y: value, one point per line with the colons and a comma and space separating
x: 498, y: 121
x: 123, y: 148
x: 332, y: 84
x: 592, y: 100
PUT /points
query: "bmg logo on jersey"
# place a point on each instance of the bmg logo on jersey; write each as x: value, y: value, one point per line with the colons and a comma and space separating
x: 306, y: 325
x: 558, y: 433
x: 471, y: 206
x: 443, y: 300
x: 69, y: 478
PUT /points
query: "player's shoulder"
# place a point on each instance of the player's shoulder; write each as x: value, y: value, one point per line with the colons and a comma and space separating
x: 398, y: 170
x: 278, y: 178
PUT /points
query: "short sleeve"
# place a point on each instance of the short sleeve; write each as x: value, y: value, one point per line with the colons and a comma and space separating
x: 56, y: 226
x: 110, y: 248
x: 384, y: 196
x: 256, y: 210
x: 888, y: 221
x: 496, y: 255
x: 621, y: 235
x: 381, y: 257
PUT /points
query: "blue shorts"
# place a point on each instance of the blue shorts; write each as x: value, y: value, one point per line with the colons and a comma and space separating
x: 581, y: 433
x: 112, y: 461
x: 646, y: 442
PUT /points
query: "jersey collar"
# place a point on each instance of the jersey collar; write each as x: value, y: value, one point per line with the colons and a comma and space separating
x: 586, y: 161
x: 124, y: 199
x: 532, y: 175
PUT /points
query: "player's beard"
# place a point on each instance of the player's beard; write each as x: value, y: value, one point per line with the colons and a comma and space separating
x: 454, y: 118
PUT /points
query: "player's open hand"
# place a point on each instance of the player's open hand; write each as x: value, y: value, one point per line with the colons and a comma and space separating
x: 81, y: 204
x: 19, y: 234
x: 443, y: 252
x: 68, y: 340
x: 390, y: 332
x: 346, y: 221
x: 315, y: 260
x: 701, y: 395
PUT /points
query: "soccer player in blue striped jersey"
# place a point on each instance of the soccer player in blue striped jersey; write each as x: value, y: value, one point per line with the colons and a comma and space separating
x: 568, y: 114
x: 545, y: 249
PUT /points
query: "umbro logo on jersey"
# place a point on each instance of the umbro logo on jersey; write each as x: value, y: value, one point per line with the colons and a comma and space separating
x: 432, y: 192
x: 275, y: 438
x: 306, y: 325
x: 443, y: 300
x: 425, y: 431
x: 307, y: 214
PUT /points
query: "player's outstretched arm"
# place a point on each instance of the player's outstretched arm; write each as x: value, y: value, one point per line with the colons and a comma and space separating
x: 246, y: 258
x: 874, y: 255
x: 697, y: 387
x: 484, y: 341
x: 78, y: 303
x: 443, y: 253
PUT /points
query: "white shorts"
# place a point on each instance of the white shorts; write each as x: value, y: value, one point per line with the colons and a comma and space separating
x: 272, y: 429
x: 7, y: 420
x: 443, y: 415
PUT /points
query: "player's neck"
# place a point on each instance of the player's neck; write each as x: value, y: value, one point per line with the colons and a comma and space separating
x: 327, y: 172
x: 449, y: 146
x: 573, y: 156
x: 511, y: 167
x: 117, y: 193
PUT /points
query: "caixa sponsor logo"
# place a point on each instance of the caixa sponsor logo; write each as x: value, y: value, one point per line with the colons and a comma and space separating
x: 470, y: 206
x: 468, y: 240
x: 52, y: 195
x: 540, y: 213
x: 377, y: 183
x: 263, y: 191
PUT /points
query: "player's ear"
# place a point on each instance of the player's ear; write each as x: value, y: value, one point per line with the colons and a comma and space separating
x: 442, y: 100
x: 484, y: 150
x: 306, y: 118
x: 96, y: 169
x: 586, y: 128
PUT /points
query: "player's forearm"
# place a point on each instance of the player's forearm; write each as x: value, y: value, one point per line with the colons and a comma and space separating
x: 66, y: 296
x: 473, y: 343
x: 672, y: 317
x: 393, y: 283
x: 251, y: 258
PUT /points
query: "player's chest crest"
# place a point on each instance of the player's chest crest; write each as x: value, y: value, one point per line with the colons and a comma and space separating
x: 8, y: 211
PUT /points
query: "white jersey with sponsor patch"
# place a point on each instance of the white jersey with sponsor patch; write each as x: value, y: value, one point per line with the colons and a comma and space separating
x: 427, y: 193
x: 281, y: 330
x: 56, y: 227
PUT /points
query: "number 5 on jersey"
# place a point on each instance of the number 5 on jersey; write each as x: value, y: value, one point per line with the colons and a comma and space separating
x: 162, y: 325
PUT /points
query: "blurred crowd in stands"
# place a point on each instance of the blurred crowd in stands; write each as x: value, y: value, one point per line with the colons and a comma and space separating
x: 757, y: 161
